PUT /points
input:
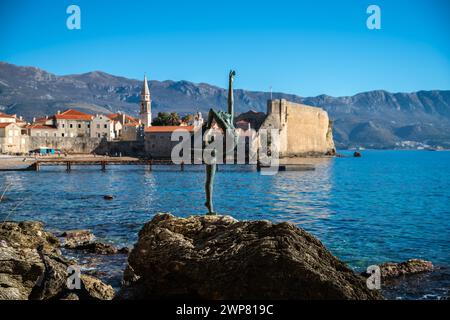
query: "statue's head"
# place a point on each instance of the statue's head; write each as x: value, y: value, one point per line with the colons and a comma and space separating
x: 232, y: 73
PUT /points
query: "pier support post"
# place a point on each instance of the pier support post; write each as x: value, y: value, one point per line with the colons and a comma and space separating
x: 103, y: 165
x: 35, y: 166
x: 68, y: 166
x: 182, y: 166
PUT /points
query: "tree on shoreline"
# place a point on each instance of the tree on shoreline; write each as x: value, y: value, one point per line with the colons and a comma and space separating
x: 167, y: 119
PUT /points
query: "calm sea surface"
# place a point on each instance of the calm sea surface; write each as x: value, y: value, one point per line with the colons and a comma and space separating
x: 385, y: 206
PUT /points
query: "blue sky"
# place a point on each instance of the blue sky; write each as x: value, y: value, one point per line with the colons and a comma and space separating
x: 301, y: 47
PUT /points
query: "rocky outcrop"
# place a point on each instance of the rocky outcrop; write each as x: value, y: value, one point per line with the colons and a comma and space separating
x: 84, y: 240
x: 217, y: 257
x: 28, y: 235
x: 98, y: 248
x: 412, y: 266
x: 97, y: 289
x: 19, y: 272
x: 74, y: 238
x: 32, y: 267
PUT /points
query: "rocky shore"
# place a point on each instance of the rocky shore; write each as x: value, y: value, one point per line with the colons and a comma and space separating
x: 199, y: 257
x: 32, y: 267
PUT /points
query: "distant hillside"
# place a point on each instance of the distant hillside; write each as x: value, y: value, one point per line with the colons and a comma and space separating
x: 376, y: 119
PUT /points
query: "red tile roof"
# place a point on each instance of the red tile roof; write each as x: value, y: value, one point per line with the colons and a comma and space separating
x: 72, y: 114
x: 43, y: 119
x: 4, y: 115
x: 131, y: 124
x: 118, y: 116
x: 168, y: 128
x: 5, y: 124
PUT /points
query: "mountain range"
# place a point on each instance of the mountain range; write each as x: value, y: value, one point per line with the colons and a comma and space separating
x: 374, y: 119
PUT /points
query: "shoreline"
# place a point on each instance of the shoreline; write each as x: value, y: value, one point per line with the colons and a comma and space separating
x: 11, y: 163
x: 109, y: 267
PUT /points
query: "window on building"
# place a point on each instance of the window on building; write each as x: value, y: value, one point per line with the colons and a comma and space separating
x: 79, y: 126
x: 89, y: 125
x: 98, y: 135
x: 62, y: 134
x: 71, y: 125
x: 62, y: 125
x: 98, y: 126
x: 106, y: 126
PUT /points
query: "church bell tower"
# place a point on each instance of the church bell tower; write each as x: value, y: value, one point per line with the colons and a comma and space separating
x: 145, y: 114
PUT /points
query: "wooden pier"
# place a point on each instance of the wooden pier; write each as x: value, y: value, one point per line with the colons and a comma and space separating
x: 102, y: 163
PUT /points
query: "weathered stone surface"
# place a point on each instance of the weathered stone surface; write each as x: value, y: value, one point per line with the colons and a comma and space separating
x: 97, y: 248
x: 31, y: 267
x: 125, y: 250
x: 19, y: 271
x: 97, y: 289
x: 28, y: 234
x: 74, y: 238
x: 412, y: 266
x: 217, y: 257
x: 84, y: 240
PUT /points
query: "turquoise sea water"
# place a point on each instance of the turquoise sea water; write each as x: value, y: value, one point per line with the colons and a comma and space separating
x: 385, y: 206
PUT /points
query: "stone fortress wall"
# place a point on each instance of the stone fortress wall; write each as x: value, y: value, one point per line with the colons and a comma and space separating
x: 70, y: 145
x: 86, y: 145
x: 304, y: 130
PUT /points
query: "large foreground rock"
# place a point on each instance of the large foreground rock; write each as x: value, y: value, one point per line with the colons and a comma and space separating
x: 32, y: 267
x: 217, y: 257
